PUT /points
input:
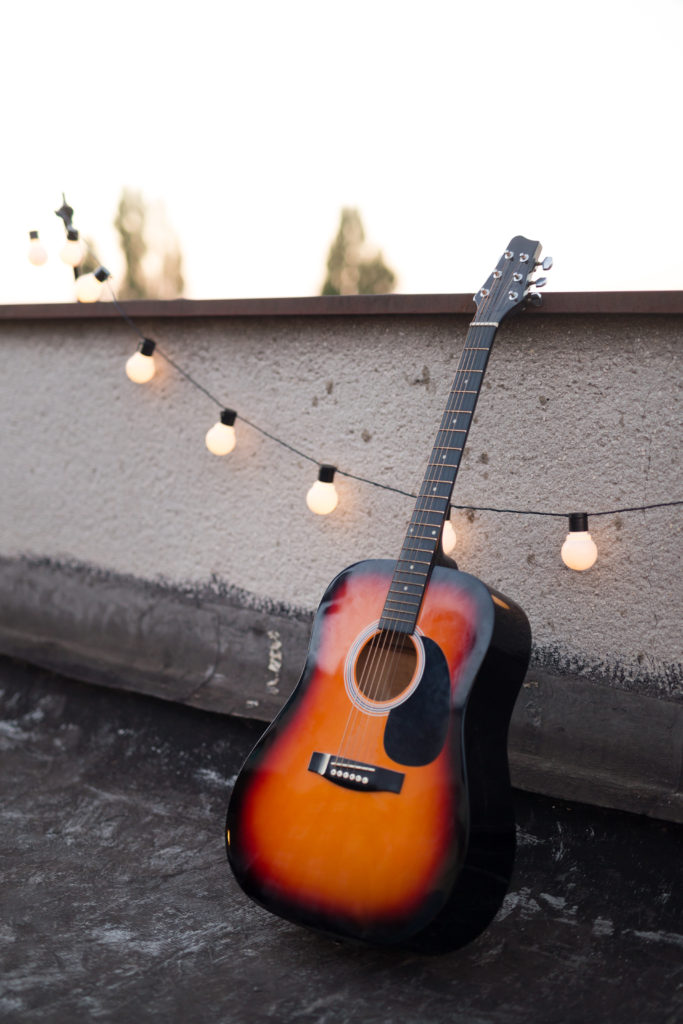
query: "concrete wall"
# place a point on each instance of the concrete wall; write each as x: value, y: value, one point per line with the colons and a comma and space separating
x: 110, y: 480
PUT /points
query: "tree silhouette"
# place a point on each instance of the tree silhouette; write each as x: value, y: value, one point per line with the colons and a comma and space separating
x: 351, y: 268
x: 150, y: 248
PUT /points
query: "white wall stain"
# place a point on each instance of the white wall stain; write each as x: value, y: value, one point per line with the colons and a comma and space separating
x: 274, y: 659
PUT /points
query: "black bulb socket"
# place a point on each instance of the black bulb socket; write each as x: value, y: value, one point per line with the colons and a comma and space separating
x: 147, y: 346
x: 33, y: 234
x: 578, y: 522
x: 228, y: 417
x: 102, y: 274
x: 72, y: 235
x: 326, y: 473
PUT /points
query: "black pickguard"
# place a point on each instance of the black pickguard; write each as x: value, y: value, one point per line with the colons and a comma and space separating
x: 416, y: 730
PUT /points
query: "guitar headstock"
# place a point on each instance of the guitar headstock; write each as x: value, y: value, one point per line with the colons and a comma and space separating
x: 508, y: 286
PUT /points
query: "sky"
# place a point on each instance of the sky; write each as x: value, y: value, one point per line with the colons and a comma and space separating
x: 451, y: 126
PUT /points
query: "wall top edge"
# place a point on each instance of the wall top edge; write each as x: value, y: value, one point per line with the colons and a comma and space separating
x: 591, y: 303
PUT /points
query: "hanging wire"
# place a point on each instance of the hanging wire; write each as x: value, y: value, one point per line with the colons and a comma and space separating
x: 365, y: 480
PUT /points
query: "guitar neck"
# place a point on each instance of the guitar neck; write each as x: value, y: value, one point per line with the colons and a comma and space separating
x: 423, y: 537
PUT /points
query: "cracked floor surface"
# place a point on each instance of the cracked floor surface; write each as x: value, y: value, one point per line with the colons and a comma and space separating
x: 118, y: 905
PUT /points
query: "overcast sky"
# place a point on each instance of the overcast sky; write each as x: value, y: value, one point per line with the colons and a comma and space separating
x: 452, y: 126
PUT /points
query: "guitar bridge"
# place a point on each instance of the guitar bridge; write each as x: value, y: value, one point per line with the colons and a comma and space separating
x: 352, y: 774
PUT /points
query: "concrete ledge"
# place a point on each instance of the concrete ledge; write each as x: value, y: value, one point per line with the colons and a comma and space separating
x: 222, y: 650
x: 624, y: 303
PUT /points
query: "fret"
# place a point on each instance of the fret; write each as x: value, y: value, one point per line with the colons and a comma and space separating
x: 401, y: 596
x: 393, y: 626
x: 404, y: 620
x: 409, y: 547
x: 399, y: 611
x: 405, y: 593
x: 450, y: 447
x: 442, y: 501
x: 476, y: 348
x: 410, y: 572
x: 425, y: 522
x: 451, y: 465
x: 464, y: 391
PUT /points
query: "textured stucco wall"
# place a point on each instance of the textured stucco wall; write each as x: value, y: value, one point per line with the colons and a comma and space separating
x: 576, y: 413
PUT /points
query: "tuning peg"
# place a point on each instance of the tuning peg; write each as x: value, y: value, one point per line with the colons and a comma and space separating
x: 534, y: 299
x: 540, y: 282
x: 546, y: 263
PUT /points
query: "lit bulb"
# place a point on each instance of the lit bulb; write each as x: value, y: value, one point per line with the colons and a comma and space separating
x: 89, y: 286
x: 221, y: 438
x: 73, y: 251
x: 448, y: 537
x: 140, y: 367
x: 322, y: 497
x: 579, y: 551
x: 37, y: 253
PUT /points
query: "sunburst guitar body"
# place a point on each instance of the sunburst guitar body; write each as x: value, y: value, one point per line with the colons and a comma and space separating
x: 377, y: 806
x: 385, y: 815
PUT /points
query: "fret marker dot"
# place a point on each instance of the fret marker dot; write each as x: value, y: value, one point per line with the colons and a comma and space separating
x: 405, y: 588
x: 412, y: 567
x: 433, y: 533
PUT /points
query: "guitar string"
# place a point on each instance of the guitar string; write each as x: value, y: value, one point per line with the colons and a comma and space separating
x: 385, y: 665
x: 382, y: 651
x: 382, y: 660
x: 420, y: 520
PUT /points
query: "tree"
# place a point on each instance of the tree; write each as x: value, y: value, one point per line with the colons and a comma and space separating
x: 154, y: 262
x: 351, y: 268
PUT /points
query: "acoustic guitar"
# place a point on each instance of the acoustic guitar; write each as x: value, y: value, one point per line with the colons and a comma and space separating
x: 377, y: 805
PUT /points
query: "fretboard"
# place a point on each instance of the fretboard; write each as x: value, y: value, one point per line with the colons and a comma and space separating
x: 421, y: 543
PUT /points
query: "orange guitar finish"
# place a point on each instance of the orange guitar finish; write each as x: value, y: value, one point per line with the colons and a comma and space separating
x: 374, y: 865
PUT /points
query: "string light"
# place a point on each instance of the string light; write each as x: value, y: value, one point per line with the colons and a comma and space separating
x: 37, y: 253
x: 221, y: 438
x: 579, y: 550
x: 140, y: 367
x: 73, y: 252
x: 322, y: 497
x: 89, y: 286
x: 448, y: 537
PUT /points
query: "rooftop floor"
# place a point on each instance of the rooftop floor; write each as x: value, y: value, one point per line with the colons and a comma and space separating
x: 118, y: 904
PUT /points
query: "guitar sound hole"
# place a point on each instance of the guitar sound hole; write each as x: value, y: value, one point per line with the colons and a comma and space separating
x: 385, y: 666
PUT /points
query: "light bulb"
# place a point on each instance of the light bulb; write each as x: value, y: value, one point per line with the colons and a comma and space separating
x: 322, y: 497
x: 448, y: 537
x: 37, y: 253
x: 579, y: 550
x: 89, y: 286
x: 140, y: 367
x: 221, y: 438
x: 73, y: 251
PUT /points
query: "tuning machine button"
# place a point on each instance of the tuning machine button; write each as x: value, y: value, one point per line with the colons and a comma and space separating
x: 540, y: 282
x: 546, y: 263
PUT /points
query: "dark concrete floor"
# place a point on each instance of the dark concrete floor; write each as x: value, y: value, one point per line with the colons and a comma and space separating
x: 118, y: 905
